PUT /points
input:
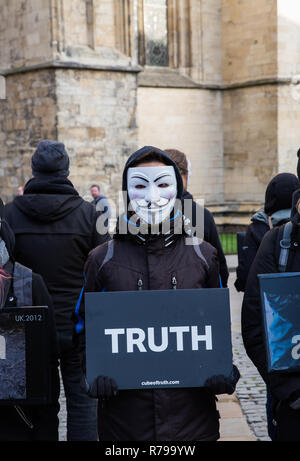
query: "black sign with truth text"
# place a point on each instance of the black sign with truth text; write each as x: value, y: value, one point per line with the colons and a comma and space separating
x: 152, y: 339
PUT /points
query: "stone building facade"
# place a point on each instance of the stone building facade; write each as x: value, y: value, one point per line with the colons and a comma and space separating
x: 218, y: 79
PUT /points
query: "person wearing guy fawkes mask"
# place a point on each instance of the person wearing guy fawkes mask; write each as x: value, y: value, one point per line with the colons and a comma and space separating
x: 27, y: 422
x: 159, y: 260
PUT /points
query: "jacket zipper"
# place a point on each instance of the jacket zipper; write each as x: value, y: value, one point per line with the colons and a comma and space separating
x: 140, y: 284
x: 23, y: 417
x: 174, y: 282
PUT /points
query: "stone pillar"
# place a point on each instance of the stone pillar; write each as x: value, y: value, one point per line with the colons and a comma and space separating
x: 288, y: 24
x: 261, y: 68
x: 249, y: 97
x: 70, y: 77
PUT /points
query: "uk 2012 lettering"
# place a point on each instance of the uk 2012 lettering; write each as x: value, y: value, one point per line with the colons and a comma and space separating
x: 137, y: 339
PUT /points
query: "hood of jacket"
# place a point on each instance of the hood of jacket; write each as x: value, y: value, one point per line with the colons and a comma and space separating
x: 6, y: 233
x: 279, y: 193
x: 48, y: 200
x: 135, y: 157
x: 123, y: 220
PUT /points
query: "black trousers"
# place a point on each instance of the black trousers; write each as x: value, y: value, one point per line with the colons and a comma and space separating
x: 29, y: 422
x: 288, y: 423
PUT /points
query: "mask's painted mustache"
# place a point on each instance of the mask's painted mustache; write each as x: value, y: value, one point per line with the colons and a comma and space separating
x: 153, y: 206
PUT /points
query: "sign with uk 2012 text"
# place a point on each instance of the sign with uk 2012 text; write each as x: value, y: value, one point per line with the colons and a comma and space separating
x: 24, y: 355
x: 280, y: 299
x: 158, y: 339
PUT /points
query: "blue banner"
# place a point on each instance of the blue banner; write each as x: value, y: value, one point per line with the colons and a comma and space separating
x: 280, y: 299
x: 158, y: 339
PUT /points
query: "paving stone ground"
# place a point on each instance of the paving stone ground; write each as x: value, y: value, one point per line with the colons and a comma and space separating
x: 251, y: 389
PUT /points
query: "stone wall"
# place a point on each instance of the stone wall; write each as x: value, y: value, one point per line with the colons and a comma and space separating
x: 66, y: 80
x: 27, y: 115
x: 289, y: 93
x: 25, y: 32
x: 288, y: 133
x: 288, y: 38
x: 189, y: 120
x: 250, y: 141
x: 206, y: 41
x: 249, y: 32
x: 229, y: 99
x: 96, y: 119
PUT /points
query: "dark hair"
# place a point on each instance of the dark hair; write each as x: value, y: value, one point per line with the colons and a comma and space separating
x: 180, y: 159
x: 151, y: 156
x: 95, y: 185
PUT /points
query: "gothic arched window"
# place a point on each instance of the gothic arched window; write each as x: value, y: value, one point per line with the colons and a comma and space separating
x: 156, y: 32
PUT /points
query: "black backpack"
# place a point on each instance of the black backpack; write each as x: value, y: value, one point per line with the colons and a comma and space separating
x: 285, y: 245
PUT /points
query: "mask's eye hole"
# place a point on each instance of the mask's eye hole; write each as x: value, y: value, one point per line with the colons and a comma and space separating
x: 163, y: 185
x: 140, y: 186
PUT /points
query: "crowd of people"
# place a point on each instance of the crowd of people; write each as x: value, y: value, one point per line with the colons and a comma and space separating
x: 50, y: 246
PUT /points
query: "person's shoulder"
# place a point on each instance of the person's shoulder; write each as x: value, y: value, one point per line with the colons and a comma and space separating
x: 37, y: 279
x: 203, y: 249
x: 271, y: 238
x: 100, y: 251
x: 256, y: 224
x: 256, y: 231
x: 39, y: 286
x: 8, y: 207
x: 88, y: 208
x: 208, y: 248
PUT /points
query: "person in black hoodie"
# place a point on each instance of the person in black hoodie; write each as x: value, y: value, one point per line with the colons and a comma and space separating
x: 276, y: 211
x: 284, y: 386
x: 55, y: 230
x: 211, y: 234
x: 158, y: 259
x: 27, y: 422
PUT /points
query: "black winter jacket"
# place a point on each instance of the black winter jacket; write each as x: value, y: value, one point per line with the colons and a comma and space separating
x: 43, y: 418
x: 162, y: 414
x: 278, y: 203
x: 254, y: 235
x: 55, y: 229
x: 253, y: 238
x: 282, y: 385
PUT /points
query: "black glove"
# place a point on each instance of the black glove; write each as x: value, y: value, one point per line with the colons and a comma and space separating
x: 294, y: 400
x: 220, y: 384
x: 102, y: 387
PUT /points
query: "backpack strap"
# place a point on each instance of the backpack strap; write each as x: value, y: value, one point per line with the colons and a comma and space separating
x: 22, y: 285
x: 285, y: 245
x: 80, y: 321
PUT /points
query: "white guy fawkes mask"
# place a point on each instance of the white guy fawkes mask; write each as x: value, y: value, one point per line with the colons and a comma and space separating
x: 152, y: 192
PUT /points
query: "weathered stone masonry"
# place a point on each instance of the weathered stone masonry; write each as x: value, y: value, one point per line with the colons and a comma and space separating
x: 75, y: 71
